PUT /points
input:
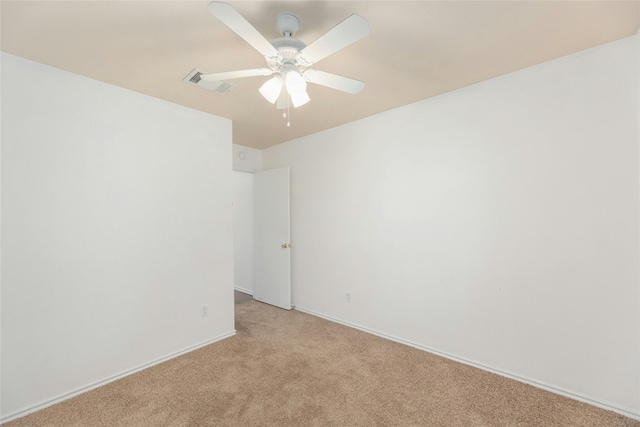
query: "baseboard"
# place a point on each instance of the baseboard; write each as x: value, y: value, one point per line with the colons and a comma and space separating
x: 106, y: 381
x: 553, y: 389
x: 243, y: 290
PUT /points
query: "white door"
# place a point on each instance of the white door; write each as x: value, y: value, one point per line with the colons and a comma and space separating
x: 272, y: 254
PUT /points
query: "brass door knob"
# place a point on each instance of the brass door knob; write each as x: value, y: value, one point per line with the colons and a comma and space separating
x: 286, y: 245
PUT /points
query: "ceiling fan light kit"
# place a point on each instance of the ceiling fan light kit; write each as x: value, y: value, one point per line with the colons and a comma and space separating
x: 289, y: 58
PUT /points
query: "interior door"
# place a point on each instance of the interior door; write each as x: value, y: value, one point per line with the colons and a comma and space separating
x: 272, y: 253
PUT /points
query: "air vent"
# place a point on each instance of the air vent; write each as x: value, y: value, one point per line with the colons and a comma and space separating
x: 220, y: 87
x: 196, y: 78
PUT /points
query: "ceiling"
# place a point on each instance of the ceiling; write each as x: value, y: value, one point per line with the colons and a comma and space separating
x: 415, y: 50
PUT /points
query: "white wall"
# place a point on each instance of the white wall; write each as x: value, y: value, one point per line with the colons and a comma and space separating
x: 116, y: 229
x: 498, y: 224
x: 246, y: 159
x: 243, y: 231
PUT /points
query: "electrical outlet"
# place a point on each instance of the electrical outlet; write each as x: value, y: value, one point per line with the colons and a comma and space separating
x: 347, y: 296
x: 204, y: 311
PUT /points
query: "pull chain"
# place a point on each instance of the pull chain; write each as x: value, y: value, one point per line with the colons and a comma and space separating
x: 288, y: 116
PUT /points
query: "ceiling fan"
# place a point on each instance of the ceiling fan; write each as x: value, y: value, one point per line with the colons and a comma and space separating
x: 288, y: 59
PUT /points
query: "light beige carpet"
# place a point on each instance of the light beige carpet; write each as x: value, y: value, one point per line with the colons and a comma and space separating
x: 291, y: 369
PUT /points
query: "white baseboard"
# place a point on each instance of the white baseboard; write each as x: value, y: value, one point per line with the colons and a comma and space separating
x: 553, y: 389
x: 95, y: 385
x: 243, y: 290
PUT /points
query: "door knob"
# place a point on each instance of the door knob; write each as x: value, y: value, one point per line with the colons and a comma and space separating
x: 285, y: 245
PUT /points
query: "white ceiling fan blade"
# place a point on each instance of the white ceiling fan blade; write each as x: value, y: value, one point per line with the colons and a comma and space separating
x: 232, y: 19
x: 342, y: 35
x: 229, y: 75
x: 334, y: 81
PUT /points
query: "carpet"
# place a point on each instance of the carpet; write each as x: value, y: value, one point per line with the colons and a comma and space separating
x: 287, y: 368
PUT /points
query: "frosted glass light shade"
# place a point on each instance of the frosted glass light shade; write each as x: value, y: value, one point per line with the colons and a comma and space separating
x: 297, y: 88
x: 295, y: 81
x: 271, y: 89
x: 299, y: 98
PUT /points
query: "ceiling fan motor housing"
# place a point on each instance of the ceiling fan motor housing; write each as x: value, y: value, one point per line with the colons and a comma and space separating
x: 288, y: 50
x: 288, y: 47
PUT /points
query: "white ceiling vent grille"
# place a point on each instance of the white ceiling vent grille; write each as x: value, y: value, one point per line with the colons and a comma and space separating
x: 220, y: 87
